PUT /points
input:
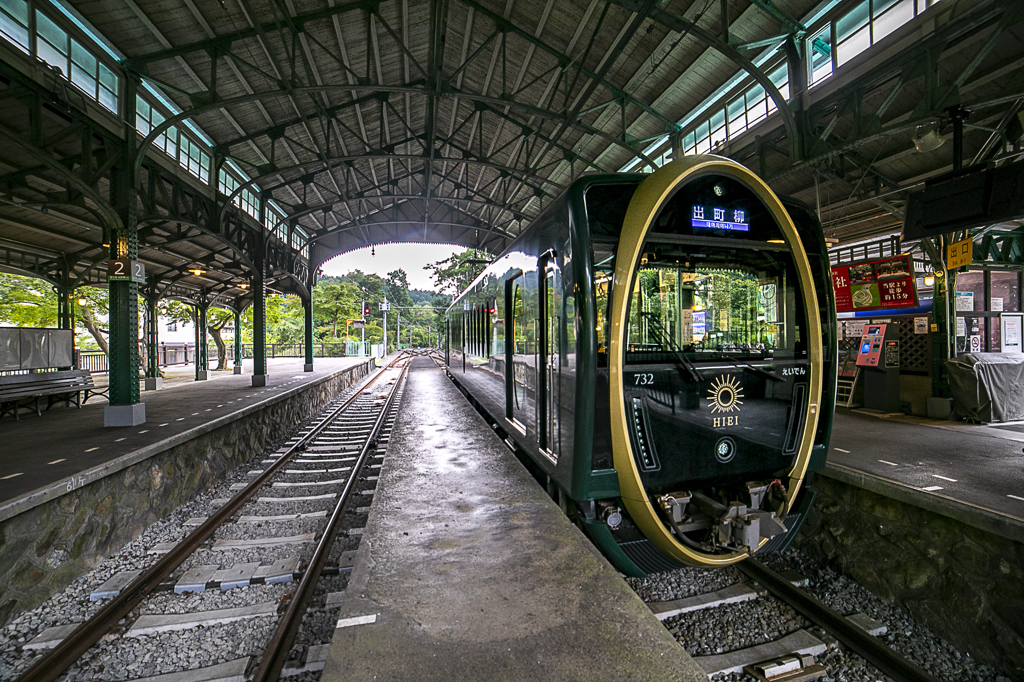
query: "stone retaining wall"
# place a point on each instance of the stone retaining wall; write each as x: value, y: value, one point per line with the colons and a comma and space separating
x: 49, y: 541
x: 957, y: 569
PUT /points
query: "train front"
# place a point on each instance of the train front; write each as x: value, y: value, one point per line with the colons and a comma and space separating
x: 714, y: 353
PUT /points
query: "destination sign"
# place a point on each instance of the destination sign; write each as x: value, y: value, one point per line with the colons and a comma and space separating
x: 720, y: 219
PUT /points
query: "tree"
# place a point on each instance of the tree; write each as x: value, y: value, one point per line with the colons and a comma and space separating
x: 32, y: 302
x: 216, y: 320
x: 453, y: 274
x: 398, y: 288
x: 336, y: 301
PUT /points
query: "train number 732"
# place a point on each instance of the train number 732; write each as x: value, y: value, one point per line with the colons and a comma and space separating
x: 643, y: 379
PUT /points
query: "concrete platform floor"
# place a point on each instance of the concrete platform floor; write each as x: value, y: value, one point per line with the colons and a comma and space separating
x: 982, y: 466
x: 468, y: 571
x: 36, y: 452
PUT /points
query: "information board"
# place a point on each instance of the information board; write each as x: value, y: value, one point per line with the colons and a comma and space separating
x: 875, y: 285
x: 892, y: 354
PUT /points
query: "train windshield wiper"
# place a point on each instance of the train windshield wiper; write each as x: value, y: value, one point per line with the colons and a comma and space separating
x: 686, y: 368
x: 751, y: 368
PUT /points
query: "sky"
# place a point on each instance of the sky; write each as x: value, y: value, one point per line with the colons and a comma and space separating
x: 390, y: 257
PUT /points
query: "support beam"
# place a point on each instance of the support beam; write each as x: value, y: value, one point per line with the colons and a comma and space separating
x: 125, y: 406
x: 238, y: 343
x: 259, y: 318
x: 202, y: 354
x: 307, y: 337
x: 154, y: 382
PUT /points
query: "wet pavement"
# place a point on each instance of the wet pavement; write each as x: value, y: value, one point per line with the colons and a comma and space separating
x: 468, y: 571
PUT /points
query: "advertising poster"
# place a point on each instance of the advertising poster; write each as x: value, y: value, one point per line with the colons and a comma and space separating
x: 699, y: 324
x: 875, y: 285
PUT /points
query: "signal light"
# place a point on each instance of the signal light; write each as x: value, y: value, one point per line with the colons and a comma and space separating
x: 366, y: 310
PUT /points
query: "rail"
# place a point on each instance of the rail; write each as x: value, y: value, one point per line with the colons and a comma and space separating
x: 277, y: 651
x: 82, y: 638
x: 887, y: 660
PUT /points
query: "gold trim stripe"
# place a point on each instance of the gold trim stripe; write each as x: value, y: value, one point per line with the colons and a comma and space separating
x: 644, y: 207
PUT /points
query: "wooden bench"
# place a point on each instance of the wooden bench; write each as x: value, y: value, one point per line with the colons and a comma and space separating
x: 24, y: 390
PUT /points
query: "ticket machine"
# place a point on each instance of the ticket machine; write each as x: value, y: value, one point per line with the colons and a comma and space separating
x: 879, y: 356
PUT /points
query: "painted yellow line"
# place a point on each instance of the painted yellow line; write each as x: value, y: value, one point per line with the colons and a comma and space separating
x: 91, y: 449
x: 10, y: 476
x: 57, y: 461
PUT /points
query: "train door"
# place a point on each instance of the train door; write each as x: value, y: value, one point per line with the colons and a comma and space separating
x: 518, y: 351
x: 549, y: 360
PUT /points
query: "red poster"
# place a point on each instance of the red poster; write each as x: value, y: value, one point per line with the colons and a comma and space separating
x: 875, y: 285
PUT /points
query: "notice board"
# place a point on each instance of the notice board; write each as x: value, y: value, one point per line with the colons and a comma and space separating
x: 878, y: 284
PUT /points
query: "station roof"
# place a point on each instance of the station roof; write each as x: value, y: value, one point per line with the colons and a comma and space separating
x: 456, y: 121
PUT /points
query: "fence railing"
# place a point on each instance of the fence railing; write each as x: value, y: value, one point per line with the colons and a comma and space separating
x: 184, y: 353
x: 332, y: 349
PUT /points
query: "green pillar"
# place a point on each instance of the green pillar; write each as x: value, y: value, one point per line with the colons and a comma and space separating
x: 125, y: 406
x: 66, y: 316
x: 202, y: 359
x: 154, y: 382
x: 65, y: 307
x: 307, y: 309
x: 259, y: 319
x: 238, y: 342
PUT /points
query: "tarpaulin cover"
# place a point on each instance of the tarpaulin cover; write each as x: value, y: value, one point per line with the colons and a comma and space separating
x: 987, y: 387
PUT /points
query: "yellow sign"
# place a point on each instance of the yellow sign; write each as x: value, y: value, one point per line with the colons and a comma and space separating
x: 960, y: 254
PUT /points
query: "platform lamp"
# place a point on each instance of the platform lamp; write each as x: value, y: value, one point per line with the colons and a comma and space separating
x: 929, y: 279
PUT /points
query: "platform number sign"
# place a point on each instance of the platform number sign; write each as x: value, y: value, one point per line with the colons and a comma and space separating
x: 126, y: 270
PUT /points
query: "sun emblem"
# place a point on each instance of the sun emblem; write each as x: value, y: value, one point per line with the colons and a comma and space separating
x: 724, y: 394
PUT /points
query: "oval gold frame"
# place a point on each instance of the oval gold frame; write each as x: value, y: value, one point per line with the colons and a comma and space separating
x: 647, y: 201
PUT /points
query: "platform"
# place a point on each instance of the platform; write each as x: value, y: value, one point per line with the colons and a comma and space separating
x: 64, y: 443
x: 946, y: 464
x: 468, y: 571
x: 74, y: 492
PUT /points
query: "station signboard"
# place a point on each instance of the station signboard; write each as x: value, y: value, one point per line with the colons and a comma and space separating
x: 126, y: 270
x: 879, y: 284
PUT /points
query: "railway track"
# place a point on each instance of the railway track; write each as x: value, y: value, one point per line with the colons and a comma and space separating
x: 780, y: 621
x: 251, y: 587
x: 750, y: 622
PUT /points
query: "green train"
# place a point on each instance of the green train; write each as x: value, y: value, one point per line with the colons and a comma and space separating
x: 661, y: 349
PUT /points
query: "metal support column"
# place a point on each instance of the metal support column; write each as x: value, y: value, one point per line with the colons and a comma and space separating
x: 154, y: 382
x: 66, y: 316
x: 202, y: 354
x: 259, y: 318
x: 125, y: 406
x: 238, y: 343
x: 307, y: 331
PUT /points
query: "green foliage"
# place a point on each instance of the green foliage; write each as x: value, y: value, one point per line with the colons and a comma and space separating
x: 32, y: 302
x: 455, y: 273
x: 27, y: 302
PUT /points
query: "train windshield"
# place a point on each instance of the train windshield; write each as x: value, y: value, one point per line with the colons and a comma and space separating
x: 716, y: 280
x: 735, y: 302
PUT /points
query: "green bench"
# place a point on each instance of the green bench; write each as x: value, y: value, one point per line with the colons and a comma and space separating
x: 33, y: 389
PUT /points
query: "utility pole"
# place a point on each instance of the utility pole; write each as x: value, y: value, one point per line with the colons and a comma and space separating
x: 398, y: 334
x: 362, y: 332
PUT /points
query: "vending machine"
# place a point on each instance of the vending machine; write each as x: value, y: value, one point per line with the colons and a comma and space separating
x: 879, y: 357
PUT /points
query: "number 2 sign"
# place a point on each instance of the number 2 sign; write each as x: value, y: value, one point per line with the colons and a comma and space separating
x: 126, y: 270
